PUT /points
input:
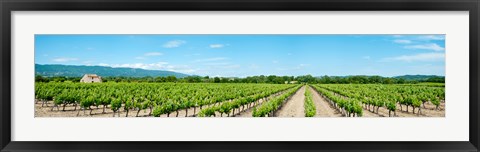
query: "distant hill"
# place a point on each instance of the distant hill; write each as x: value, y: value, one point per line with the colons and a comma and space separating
x: 429, y: 78
x: 418, y: 77
x: 406, y: 77
x: 80, y: 70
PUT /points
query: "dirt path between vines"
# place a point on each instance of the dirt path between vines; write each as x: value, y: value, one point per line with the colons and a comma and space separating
x: 294, y: 106
x: 323, y: 107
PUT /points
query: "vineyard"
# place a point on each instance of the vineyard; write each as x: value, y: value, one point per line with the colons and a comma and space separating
x: 57, y: 99
x: 156, y: 98
x: 354, y: 99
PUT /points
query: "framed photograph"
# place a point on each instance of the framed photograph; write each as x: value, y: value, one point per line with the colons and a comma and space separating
x: 231, y: 75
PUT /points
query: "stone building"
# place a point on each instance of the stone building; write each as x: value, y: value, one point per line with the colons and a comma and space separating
x: 91, y: 78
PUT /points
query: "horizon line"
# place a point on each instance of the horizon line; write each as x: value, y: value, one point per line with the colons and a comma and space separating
x: 256, y: 75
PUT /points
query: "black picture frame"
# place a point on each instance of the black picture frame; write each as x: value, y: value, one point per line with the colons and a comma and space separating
x: 7, y: 6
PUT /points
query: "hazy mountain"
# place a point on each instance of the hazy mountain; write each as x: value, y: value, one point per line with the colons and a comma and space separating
x: 80, y: 70
x: 400, y: 76
x: 418, y: 77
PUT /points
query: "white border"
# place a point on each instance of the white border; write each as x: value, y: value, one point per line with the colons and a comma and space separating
x: 454, y: 127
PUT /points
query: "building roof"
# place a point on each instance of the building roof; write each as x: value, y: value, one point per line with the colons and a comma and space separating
x: 92, y: 75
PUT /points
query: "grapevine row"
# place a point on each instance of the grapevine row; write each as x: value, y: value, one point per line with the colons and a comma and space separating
x: 310, y: 110
x: 170, y: 97
x: 269, y: 107
x: 347, y: 106
x: 375, y: 96
x: 227, y: 107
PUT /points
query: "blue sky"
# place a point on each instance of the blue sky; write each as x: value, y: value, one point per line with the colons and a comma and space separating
x: 247, y: 55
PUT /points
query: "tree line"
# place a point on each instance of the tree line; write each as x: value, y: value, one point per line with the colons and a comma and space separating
x: 272, y: 79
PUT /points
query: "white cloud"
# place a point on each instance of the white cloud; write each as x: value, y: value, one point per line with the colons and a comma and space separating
x: 188, y: 71
x: 425, y: 57
x: 153, y: 54
x: 179, y: 68
x: 64, y: 59
x: 155, y: 66
x: 211, y: 59
x: 215, y: 46
x: 432, y: 37
x: 103, y: 64
x: 174, y: 43
x: 430, y: 46
x: 159, y: 65
x: 402, y: 41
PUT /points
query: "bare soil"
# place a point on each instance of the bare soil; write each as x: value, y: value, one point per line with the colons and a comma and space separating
x: 98, y: 112
x: 294, y: 107
x: 323, y: 107
x: 427, y: 111
x: 70, y: 112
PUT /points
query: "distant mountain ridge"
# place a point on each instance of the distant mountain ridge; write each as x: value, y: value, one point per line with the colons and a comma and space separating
x: 405, y: 77
x: 418, y: 77
x: 51, y: 70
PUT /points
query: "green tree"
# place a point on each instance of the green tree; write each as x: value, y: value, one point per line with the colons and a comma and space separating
x: 216, y: 80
